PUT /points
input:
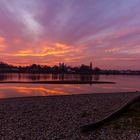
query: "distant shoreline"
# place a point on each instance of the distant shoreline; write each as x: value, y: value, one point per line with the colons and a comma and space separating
x: 100, y: 73
x: 56, y: 82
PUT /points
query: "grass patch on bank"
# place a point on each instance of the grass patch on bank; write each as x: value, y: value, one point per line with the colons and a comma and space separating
x: 130, y: 119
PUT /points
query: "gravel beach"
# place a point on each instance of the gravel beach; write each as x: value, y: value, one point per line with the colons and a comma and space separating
x: 57, y: 117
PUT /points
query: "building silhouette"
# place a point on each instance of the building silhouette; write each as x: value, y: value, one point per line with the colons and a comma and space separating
x: 90, y: 66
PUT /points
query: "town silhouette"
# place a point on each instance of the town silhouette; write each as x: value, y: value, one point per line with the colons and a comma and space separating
x: 62, y: 68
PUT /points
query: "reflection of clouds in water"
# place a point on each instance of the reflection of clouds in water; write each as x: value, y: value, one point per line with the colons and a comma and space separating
x: 2, y: 95
x: 96, y: 77
x: 6, y: 91
x: 108, y: 87
x: 73, y: 86
x: 115, y: 88
x: 132, y: 89
x: 123, y: 84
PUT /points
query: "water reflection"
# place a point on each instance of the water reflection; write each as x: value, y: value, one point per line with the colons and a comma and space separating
x: 3, y: 77
x: 96, y: 77
x: 20, y: 91
x: 47, y: 77
x: 123, y: 84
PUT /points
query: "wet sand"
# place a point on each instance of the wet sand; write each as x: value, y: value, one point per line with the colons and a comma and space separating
x: 56, y: 117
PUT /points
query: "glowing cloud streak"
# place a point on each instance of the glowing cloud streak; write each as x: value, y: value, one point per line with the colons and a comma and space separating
x: 71, y: 31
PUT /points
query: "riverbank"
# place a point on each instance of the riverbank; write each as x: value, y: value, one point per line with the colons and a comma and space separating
x: 126, y: 126
x: 57, y: 117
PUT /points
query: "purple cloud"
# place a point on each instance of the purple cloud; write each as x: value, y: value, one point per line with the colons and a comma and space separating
x: 99, y: 30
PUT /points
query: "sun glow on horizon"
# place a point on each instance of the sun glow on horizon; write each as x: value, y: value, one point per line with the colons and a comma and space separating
x: 49, y: 32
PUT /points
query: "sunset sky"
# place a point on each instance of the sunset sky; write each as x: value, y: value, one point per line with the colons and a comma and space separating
x: 106, y: 32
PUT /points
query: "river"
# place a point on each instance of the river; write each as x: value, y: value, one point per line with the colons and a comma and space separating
x: 124, y: 83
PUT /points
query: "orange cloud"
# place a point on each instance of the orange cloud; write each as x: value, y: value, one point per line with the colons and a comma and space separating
x: 73, y: 59
x: 57, y: 49
x: 16, y: 41
x: 3, y: 44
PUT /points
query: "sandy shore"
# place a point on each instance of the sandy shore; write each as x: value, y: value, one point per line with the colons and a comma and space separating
x: 56, y: 117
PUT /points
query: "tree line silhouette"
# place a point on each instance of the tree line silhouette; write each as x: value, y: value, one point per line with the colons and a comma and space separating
x: 36, y: 68
x: 62, y: 68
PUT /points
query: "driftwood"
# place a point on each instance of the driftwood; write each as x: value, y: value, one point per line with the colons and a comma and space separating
x: 90, y: 127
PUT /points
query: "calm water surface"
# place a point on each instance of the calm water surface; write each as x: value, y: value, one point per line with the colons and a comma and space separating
x: 124, y: 83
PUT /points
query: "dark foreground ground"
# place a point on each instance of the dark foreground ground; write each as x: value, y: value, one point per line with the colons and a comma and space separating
x: 60, y: 117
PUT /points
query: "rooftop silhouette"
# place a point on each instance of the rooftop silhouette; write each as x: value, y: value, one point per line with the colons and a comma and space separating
x: 62, y: 68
